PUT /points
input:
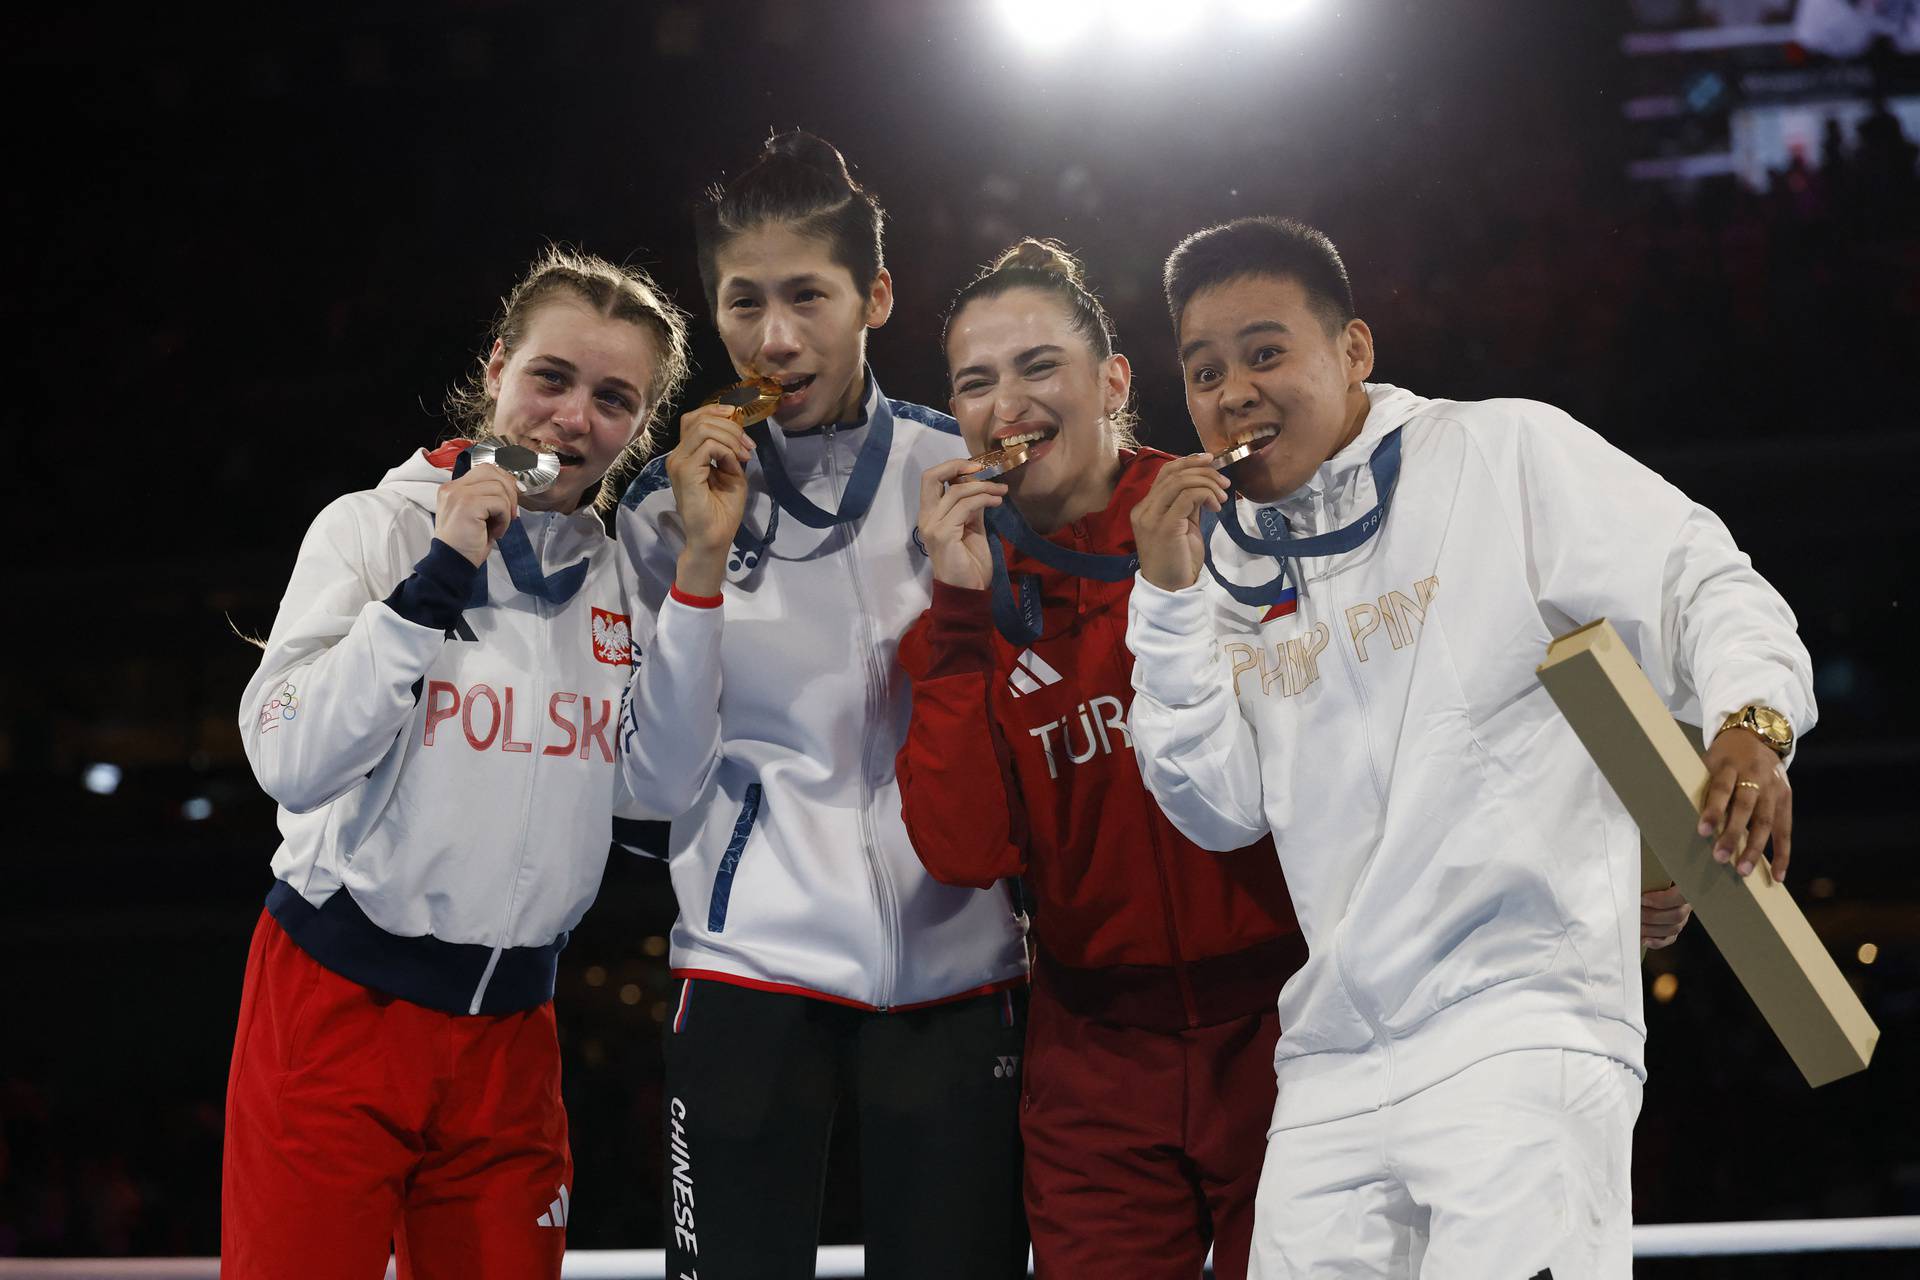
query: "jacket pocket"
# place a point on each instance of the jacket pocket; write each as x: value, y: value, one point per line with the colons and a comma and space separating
x: 730, y: 860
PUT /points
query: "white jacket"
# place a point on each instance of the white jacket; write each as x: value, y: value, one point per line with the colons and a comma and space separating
x: 1466, y: 881
x: 768, y: 727
x: 457, y: 780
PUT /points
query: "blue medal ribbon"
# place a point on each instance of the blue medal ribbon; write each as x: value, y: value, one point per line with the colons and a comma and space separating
x: 1016, y: 609
x: 1385, y: 466
x: 523, y: 562
x: 861, y: 485
x: 749, y: 549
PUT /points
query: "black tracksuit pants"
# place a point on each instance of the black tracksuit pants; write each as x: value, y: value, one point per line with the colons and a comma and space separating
x: 753, y: 1081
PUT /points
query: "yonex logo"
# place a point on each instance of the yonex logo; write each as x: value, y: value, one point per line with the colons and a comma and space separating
x: 1030, y: 674
x: 1006, y: 1068
x: 556, y: 1214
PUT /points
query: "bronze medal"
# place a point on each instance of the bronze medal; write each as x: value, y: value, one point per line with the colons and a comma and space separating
x: 1238, y: 452
x: 995, y: 463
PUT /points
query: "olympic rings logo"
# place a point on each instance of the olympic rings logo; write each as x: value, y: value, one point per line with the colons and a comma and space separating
x: 284, y: 705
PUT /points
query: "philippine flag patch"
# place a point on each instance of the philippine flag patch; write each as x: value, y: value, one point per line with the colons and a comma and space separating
x: 1286, y: 605
x: 612, y: 638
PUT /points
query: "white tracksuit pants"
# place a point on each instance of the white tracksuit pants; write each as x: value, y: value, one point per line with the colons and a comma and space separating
x: 1520, y: 1163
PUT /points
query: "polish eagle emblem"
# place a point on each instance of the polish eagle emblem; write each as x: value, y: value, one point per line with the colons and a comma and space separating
x: 612, y: 638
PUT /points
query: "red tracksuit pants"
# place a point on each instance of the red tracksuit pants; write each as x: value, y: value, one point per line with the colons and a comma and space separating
x: 1143, y: 1147
x: 358, y: 1123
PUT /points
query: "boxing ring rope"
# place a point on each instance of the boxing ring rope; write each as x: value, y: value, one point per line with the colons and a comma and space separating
x: 847, y: 1261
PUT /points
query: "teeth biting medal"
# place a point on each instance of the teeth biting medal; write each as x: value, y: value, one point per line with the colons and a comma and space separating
x: 755, y: 398
x: 995, y: 463
x: 1241, y: 449
x: 1011, y: 452
x: 532, y: 469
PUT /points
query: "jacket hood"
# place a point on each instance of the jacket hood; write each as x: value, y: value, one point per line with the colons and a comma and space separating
x: 1388, y: 408
x: 419, y: 478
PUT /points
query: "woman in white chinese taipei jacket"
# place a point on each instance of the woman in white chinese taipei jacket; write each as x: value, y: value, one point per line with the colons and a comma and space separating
x: 816, y: 960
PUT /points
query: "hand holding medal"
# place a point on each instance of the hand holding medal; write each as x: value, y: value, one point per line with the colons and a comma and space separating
x: 954, y: 499
x: 708, y: 472
x: 476, y: 507
x: 1166, y: 523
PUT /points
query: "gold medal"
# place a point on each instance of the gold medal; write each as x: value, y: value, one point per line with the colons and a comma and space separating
x: 755, y: 398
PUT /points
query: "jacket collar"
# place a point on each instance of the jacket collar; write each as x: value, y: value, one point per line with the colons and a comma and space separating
x: 1108, y: 531
x: 1388, y: 408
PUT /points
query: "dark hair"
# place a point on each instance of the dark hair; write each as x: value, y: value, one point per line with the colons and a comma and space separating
x: 802, y: 181
x: 618, y: 293
x: 1261, y: 247
x: 1047, y: 266
x: 1044, y: 265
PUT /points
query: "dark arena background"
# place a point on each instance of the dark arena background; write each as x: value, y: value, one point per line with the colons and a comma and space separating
x: 250, y: 254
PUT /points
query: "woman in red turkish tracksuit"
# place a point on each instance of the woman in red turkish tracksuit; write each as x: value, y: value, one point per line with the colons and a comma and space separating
x: 1149, y: 1074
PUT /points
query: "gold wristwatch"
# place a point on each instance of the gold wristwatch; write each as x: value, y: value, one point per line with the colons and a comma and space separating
x: 1774, y: 729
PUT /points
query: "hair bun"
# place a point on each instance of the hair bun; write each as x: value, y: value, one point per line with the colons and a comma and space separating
x: 1049, y: 256
x: 801, y: 147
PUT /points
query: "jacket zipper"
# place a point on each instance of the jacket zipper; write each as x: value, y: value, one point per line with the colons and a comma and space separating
x: 1347, y: 661
x: 526, y: 790
x: 1176, y: 954
x: 1321, y: 524
x: 1181, y: 977
x: 877, y: 875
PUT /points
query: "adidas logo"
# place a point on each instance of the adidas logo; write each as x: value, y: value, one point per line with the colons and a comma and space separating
x: 556, y: 1214
x: 1030, y: 674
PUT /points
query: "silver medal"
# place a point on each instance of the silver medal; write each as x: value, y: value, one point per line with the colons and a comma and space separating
x: 532, y: 470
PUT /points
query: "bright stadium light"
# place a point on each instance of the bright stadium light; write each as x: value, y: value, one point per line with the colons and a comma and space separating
x: 1267, y: 13
x: 197, y: 809
x: 1051, y: 26
x: 102, y: 779
x: 1154, y: 21
x: 1045, y: 26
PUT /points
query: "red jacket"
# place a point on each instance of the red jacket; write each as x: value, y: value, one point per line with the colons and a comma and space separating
x: 1020, y: 763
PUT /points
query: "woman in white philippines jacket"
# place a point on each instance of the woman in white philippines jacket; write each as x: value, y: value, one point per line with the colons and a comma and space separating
x: 1461, y: 1060
x: 436, y: 713
x: 816, y: 959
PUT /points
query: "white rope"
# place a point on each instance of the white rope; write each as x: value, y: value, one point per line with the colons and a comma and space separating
x: 1808, y: 1235
x: 846, y: 1261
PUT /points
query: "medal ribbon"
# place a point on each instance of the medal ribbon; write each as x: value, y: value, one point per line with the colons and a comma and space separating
x: 861, y: 485
x: 523, y: 562
x: 1016, y: 608
x: 1385, y: 466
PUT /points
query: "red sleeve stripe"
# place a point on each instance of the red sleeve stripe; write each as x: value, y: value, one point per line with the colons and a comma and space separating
x: 697, y: 602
